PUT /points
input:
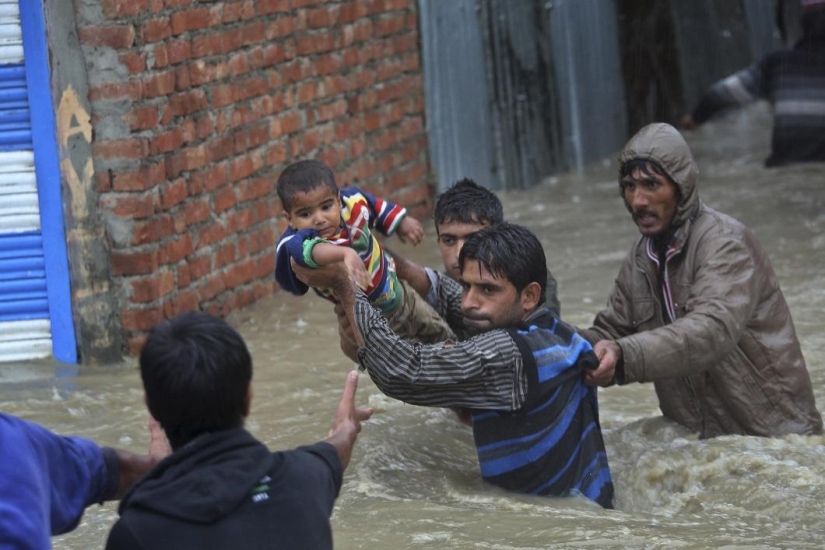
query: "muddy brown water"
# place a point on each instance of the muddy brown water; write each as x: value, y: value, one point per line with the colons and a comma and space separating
x: 414, y: 481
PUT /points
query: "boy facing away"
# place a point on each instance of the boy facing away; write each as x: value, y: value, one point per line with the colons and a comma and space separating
x: 328, y: 225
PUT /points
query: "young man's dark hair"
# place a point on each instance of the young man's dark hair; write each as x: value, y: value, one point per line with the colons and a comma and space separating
x: 196, y: 371
x: 467, y: 202
x: 301, y: 177
x: 510, y: 251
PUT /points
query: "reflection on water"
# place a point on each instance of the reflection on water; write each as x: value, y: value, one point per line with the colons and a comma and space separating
x: 414, y: 481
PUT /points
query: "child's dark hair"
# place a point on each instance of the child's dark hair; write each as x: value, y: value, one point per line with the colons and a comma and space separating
x: 302, y: 177
x: 468, y: 202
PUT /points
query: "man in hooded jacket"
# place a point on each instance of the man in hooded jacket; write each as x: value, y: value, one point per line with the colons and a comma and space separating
x: 697, y: 308
x: 222, y: 488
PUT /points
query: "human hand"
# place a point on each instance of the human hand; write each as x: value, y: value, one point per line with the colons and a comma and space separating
x: 346, y: 424
x: 609, y: 354
x: 687, y: 122
x: 327, y: 276
x: 355, y: 268
x: 410, y: 230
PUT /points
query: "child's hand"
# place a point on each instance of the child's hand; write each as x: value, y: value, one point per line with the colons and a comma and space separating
x: 355, y: 268
x: 410, y: 230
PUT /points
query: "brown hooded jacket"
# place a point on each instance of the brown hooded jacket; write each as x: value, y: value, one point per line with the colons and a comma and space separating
x: 729, y: 362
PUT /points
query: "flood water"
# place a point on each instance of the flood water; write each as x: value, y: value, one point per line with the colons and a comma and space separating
x: 414, y: 480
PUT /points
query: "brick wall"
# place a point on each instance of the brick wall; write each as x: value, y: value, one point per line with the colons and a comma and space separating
x: 197, y: 106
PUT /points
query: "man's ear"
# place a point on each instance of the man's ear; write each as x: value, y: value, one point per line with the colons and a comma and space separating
x: 531, y: 296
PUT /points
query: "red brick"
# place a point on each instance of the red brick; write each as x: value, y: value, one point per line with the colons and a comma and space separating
x: 143, y: 118
x: 183, y: 78
x: 253, y: 33
x: 352, y: 11
x: 135, y: 62
x: 133, y: 263
x: 193, y: 19
x: 149, y: 289
x: 221, y: 148
x: 131, y: 205
x: 117, y: 37
x: 210, y: 235
x: 211, y: 287
x: 306, y: 92
x: 208, y: 45
x: 182, y: 303
x: 173, y: 193
x: 224, y: 256
x: 322, y: 17
x: 276, y: 154
x: 204, y: 126
x: 160, y: 57
x: 194, y: 269
x: 176, y: 250
x: 179, y: 51
x: 307, y: 44
x: 146, y: 177
x: 239, y: 274
x: 140, y: 319
x: 362, y: 31
x: 196, y: 211
x: 152, y: 230
x: 265, y: 7
x: 238, y: 64
x: 281, y: 27
x: 224, y: 200
x: 159, y: 84
x: 166, y: 141
x: 120, y: 149
x: 116, y: 9
x: 186, y: 103
x: 155, y: 30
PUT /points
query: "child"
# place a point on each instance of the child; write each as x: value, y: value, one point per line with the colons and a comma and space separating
x: 328, y: 225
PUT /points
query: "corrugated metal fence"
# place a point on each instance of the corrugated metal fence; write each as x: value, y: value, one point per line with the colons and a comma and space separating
x: 517, y: 90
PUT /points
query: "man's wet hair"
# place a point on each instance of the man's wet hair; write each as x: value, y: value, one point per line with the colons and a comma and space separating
x: 510, y: 251
x: 468, y: 202
x: 647, y: 167
x: 302, y: 177
x: 196, y: 372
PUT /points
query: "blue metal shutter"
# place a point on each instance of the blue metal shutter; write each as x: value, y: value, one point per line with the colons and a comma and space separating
x: 25, y: 326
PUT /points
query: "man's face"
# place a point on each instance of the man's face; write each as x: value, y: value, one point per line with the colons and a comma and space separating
x: 318, y: 209
x: 488, y: 302
x: 652, y: 199
x: 451, y: 239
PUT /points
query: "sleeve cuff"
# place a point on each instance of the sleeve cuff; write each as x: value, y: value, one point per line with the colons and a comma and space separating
x: 308, y: 245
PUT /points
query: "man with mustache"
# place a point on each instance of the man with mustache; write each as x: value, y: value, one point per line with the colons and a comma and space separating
x: 535, y: 422
x: 697, y: 308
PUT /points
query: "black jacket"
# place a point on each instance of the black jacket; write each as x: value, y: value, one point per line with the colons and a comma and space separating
x: 226, y: 490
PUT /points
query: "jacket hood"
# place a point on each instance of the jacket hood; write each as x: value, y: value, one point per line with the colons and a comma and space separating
x: 204, y: 480
x: 664, y: 145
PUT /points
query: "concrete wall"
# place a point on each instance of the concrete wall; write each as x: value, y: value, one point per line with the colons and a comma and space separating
x: 180, y: 116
